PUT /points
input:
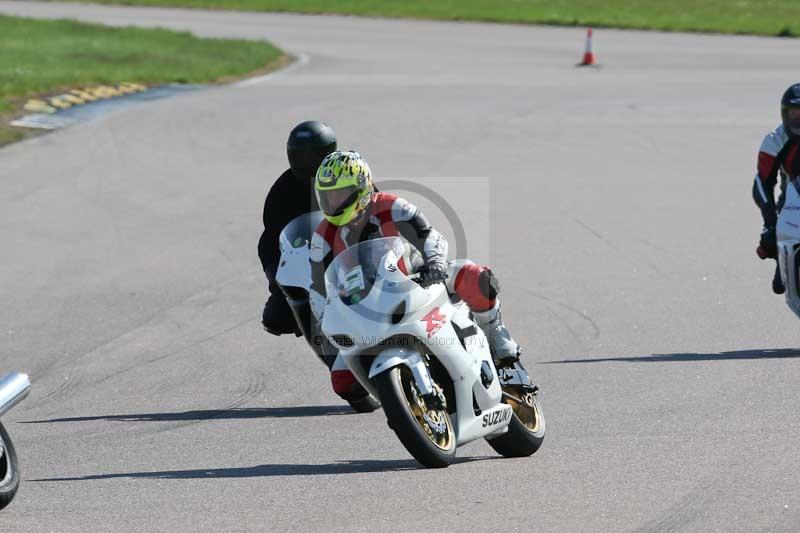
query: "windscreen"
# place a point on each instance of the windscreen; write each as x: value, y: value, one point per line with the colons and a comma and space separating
x: 299, y: 231
x: 352, y: 273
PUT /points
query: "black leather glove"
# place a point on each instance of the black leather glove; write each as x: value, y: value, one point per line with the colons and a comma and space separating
x: 432, y: 273
x: 768, y: 244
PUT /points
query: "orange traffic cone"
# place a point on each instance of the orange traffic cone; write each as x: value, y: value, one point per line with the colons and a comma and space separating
x: 588, y: 56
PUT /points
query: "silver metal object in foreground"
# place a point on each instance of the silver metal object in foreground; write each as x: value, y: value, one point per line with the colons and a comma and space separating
x: 14, y: 387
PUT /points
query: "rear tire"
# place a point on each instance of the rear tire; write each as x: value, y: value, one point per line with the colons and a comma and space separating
x: 433, y: 448
x: 525, y: 431
x: 9, y: 469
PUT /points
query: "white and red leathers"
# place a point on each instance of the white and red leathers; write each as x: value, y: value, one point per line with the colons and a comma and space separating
x: 779, y: 154
x: 391, y: 216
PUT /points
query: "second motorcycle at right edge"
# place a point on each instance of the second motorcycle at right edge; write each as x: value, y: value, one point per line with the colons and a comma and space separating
x: 779, y: 156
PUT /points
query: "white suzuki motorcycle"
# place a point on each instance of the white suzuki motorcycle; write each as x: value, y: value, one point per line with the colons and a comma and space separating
x: 423, y: 356
x: 14, y: 388
x: 788, y: 234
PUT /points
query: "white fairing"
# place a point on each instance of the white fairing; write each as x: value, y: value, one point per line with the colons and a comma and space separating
x: 384, y: 312
x: 294, y: 270
x: 788, y: 233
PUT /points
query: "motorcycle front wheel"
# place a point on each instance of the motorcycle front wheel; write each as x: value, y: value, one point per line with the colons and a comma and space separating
x: 9, y: 469
x: 526, y: 430
x: 426, y: 433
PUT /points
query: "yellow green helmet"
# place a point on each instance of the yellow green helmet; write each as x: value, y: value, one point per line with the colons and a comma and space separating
x: 343, y: 186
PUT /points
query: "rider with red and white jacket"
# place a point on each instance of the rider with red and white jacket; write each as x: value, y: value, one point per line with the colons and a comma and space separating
x: 779, y: 155
x: 354, y: 212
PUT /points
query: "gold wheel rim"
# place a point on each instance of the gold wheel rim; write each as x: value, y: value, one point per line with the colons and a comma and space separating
x: 527, y: 410
x: 434, y: 423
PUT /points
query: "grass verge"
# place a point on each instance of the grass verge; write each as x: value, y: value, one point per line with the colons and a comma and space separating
x: 757, y: 17
x: 46, y: 56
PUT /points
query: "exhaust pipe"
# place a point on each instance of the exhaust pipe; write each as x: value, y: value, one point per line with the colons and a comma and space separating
x: 14, y: 387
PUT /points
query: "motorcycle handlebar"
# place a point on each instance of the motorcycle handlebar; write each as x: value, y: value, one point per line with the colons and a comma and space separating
x: 418, y: 279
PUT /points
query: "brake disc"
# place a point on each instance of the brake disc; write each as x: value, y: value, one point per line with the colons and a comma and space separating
x: 435, y: 421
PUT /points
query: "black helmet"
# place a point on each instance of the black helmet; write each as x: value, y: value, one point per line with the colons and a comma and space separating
x: 309, y: 142
x: 790, y: 110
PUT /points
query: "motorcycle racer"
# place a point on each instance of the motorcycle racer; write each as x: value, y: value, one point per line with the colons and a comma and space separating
x: 778, y: 155
x: 354, y: 212
x: 291, y: 195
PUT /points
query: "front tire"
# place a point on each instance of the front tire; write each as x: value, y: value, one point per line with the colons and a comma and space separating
x: 9, y: 469
x: 526, y: 430
x: 427, y: 434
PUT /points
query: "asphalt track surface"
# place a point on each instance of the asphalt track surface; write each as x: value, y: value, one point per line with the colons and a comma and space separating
x: 620, y: 223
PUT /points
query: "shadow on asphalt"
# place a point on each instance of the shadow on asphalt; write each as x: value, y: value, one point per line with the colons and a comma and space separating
x: 270, y: 470
x: 214, y: 414
x: 688, y: 357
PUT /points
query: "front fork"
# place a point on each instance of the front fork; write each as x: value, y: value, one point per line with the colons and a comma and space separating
x: 416, y: 363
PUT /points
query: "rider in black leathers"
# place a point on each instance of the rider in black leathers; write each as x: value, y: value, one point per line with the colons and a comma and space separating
x: 292, y: 195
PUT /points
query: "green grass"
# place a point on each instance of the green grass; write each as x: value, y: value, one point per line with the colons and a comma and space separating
x: 760, y: 17
x: 43, y: 57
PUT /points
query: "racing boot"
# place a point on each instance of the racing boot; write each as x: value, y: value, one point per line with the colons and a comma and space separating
x: 777, y: 282
x: 505, y: 350
x: 277, y: 317
x: 350, y: 390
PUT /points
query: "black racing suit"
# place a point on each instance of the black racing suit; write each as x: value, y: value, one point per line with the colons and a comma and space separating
x: 288, y: 198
